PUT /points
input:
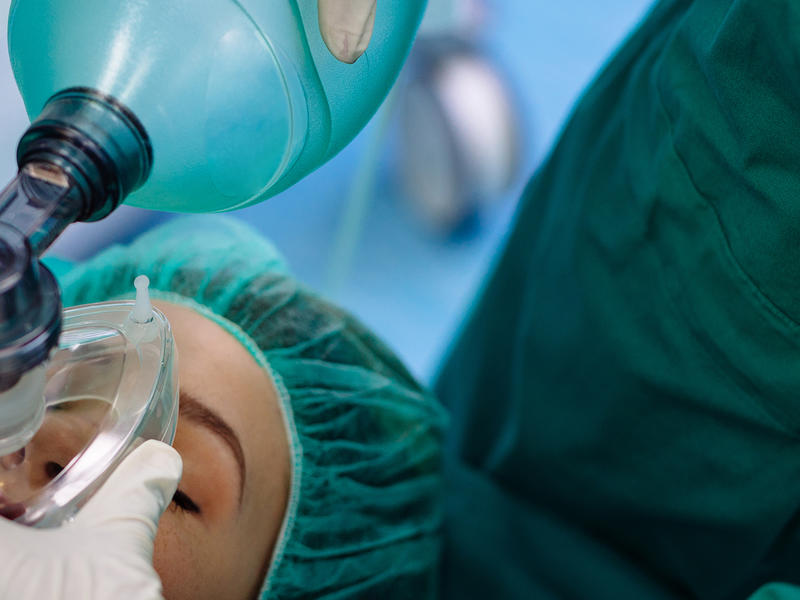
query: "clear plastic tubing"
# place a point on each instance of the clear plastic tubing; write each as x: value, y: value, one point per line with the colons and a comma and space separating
x: 240, y: 99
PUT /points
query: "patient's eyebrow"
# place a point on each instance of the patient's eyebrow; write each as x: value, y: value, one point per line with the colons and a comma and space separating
x: 198, y: 413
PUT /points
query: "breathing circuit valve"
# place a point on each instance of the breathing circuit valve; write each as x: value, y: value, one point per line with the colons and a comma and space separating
x: 77, y: 162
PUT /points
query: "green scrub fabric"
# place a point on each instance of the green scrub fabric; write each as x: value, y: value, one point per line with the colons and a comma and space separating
x: 625, y: 395
x: 777, y: 591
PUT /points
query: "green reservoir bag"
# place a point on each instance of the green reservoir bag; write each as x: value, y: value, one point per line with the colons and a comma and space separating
x: 626, y: 393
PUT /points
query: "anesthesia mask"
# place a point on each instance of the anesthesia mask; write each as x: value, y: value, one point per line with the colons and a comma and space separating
x: 110, y: 384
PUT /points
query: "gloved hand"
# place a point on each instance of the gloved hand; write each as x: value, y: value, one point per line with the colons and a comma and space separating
x: 106, y: 553
x: 346, y: 26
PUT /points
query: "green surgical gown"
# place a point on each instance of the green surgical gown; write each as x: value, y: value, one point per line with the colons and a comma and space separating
x: 625, y: 394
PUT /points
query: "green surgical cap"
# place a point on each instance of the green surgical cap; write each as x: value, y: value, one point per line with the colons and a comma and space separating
x: 363, y: 518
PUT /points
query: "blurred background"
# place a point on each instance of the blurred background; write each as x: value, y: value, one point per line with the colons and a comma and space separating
x: 402, y: 226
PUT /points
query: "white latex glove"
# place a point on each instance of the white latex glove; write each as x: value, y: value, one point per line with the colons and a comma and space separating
x: 106, y: 553
x: 346, y: 26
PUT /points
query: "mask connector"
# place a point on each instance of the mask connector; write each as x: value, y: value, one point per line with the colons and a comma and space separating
x: 143, y: 310
x: 78, y: 161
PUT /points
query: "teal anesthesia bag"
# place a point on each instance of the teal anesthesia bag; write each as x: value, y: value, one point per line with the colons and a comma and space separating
x: 239, y: 99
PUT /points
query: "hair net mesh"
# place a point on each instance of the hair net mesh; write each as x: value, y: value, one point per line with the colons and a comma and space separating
x: 364, y: 512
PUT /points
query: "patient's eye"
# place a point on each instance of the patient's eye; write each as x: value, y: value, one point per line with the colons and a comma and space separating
x: 184, y: 503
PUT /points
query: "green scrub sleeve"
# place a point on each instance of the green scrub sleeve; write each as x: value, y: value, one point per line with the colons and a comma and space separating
x: 777, y: 591
x: 624, y: 394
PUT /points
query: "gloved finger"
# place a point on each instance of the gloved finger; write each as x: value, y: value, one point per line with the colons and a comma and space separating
x: 136, y: 493
x: 346, y: 26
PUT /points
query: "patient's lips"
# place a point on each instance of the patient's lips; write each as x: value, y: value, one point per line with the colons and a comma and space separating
x: 10, y: 510
x: 10, y: 462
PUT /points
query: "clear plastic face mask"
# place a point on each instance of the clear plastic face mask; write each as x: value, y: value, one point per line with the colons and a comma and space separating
x: 111, y: 384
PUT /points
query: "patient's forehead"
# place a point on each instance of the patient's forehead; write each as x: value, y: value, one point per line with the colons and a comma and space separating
x: 217, y: 369
x: 206, y: 342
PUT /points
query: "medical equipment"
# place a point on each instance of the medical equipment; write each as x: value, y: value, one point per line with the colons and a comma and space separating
x: 459, y: 146
x: 110, y: 384
x: 179, y: 107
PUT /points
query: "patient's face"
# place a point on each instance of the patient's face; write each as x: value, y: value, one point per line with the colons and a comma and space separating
x: 216, y: 538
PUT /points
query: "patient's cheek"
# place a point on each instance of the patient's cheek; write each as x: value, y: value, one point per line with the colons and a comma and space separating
x: 176, y: 560
x: 187, y: 547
